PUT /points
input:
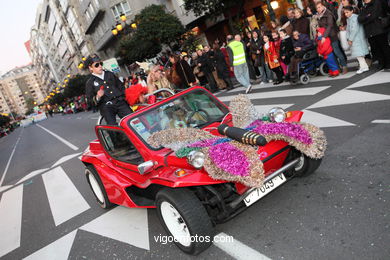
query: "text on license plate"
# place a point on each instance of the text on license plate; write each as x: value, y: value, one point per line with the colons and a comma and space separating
x: 267, y: 187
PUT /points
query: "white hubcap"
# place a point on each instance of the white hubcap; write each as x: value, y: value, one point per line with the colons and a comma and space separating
x: 300, y: 163
x: 95, y: 187
x: 175, y: 223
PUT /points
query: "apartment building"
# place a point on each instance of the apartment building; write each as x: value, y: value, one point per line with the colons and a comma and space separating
x: 20, y: 88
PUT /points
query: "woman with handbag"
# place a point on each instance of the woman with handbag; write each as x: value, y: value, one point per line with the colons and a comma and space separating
x: 221, y: 66
x: 181, y: 73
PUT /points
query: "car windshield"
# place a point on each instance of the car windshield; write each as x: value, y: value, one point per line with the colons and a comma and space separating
x: 194, y: 109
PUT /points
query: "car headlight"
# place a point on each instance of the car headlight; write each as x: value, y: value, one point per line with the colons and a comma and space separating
x: 196, y: 159
x: 277, y: 114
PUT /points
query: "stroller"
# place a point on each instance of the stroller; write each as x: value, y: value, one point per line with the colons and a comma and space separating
x: 310, y: 66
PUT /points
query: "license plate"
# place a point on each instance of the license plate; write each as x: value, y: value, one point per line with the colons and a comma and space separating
x: 267, y: 187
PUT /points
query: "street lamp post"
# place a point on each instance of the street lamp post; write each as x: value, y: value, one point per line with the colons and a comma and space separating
x: 120, y: 27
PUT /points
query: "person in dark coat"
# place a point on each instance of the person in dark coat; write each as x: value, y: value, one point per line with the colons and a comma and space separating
x: 302, y: 44
x: 183, y: 70
x: 286, y: 47
x: 327, y: 20
x: 257, y: 55
x: 205, y: 65
x: 247, y: 43
x: 106, y: 91
x: 301, y: 23
x: 221, y: 66
x: 376, y: 33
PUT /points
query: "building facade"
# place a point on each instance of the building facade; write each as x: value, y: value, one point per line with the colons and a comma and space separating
x: 20, y: 90
x: 57, y: 41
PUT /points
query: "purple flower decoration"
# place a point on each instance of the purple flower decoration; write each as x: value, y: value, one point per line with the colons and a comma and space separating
x: 295, y: 131
x: 204, y: 143
x: 230, y: 159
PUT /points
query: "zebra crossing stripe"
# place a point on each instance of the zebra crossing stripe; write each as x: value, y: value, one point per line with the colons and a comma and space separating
x: 322, y: 120
x: 58, y: 250
x: 376, y: 78
x: 11, y: 219
x: 65, y: 200
x: 123, y: 224
x: 347, y: 97
x: 280, y: 93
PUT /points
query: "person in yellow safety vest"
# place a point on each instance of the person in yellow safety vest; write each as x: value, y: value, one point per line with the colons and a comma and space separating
x: 236, y: 51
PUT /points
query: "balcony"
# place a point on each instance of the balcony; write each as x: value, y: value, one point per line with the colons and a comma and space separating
x: 95, y: 19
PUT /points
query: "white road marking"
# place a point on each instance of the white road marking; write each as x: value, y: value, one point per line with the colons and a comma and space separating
x: 65, y: 200
x: 59, y: 138
x: 381, y: 121
x: 6, y: 187
x: 281, y: 93
x: 266, y: 108
x: 341, y: 76
x: 346, y: 97
x: 376, y: 78
x: 236, y: 249
x: 122, y: 224
x: 32, y: 174
x: 58, y: 250
x: 322, y: 120
x: 11, y: 220
x: 9, y: 161
x: 64, y: 159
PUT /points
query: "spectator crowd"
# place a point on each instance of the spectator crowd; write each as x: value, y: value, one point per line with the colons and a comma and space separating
x: 273, y: 53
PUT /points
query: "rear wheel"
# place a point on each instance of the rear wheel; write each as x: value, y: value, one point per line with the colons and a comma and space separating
x: 97, y: 187
x: 306, y: 166
x: 185, y: 219
x: 324, y: 69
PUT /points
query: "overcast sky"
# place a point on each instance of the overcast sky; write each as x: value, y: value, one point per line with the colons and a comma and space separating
x: 16, y: 19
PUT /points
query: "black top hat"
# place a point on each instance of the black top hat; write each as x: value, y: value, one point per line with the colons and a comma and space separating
x: 91, y: 59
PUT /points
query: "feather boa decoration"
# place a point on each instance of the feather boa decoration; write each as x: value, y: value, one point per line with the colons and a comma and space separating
x: 230, y: 160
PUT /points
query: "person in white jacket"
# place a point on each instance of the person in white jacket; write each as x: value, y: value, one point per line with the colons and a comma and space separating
x: 356, y: 39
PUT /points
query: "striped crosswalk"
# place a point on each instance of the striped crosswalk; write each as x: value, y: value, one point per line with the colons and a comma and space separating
x: 65, y: 202
x: 11, y: 219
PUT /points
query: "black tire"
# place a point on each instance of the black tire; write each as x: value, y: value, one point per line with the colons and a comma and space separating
x: 324, y: 69
x: 304, y: 79
x: 192, y: 215
x: 306, y: 166
x: 95, y: 183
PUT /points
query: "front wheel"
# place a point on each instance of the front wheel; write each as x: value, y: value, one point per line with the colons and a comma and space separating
x: 97, y: 187
x: 304, y: 78
x: 185, y: 219
x: 306, y: 166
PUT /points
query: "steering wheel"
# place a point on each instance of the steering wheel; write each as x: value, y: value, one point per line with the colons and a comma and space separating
x: 198, y: 117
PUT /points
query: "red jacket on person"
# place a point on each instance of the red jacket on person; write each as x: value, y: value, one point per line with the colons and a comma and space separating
x: 324, y: 49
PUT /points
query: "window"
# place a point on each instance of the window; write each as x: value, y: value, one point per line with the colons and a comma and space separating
x: 121, y: 8
x: 119, y: 146
x: 194, y: 109
x: 75, y: 28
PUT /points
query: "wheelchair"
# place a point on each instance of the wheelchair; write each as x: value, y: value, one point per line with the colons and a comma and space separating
x: 311, y: 66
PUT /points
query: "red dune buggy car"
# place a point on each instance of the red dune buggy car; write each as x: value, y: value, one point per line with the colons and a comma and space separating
x: 123, y: 168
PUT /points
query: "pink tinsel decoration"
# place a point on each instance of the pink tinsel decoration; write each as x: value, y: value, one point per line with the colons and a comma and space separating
x: 230, y: 159
x: 294, y: 131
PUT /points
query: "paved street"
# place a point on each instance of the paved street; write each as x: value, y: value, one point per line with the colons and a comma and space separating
x: 47, y: 210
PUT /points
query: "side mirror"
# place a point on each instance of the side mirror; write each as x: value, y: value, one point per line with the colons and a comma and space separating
x: 145, y: 167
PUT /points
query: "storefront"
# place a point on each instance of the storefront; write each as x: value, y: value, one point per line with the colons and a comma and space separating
x: 254, y: 14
